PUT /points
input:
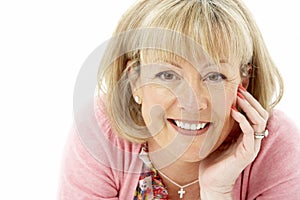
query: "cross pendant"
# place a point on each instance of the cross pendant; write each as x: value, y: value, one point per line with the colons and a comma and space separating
x: 181, y: 192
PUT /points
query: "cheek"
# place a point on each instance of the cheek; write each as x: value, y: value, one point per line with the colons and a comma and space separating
x: 155, y: 103
x: 157, y: 96
x: 221, y: 101
x: 230, y: 100
x: 222, y: 110
x: 226, y: 121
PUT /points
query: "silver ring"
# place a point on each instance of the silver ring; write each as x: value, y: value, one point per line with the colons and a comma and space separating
x: 261, y: 135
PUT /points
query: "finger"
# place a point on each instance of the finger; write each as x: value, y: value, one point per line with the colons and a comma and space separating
x: 254, y: 103
x: 244, y: 125
x: 250, y: 145
x: 259, y: 123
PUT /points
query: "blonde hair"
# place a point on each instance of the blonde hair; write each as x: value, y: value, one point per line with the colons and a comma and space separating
x: 223, y: 28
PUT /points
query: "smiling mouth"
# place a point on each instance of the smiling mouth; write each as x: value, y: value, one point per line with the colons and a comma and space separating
x: 189, y: 128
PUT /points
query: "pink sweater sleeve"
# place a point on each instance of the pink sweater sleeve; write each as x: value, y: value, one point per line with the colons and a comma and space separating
x: 83, y: 177
x: 280, y: 160
x: 275, y: 174
x: 98, y: 164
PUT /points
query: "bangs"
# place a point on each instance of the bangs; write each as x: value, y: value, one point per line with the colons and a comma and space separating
x: 177, y: 30
x: 193, y: 31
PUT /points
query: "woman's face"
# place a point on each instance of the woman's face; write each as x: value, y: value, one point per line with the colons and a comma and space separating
x: 186, y: 108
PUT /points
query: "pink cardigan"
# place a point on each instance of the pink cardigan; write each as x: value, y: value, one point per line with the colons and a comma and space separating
x: 104, y: 166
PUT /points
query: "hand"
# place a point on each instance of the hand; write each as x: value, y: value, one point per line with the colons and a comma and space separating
x: 219, y: 171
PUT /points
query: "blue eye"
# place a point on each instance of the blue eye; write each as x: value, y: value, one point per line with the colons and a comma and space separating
x: 214, y: 77
x: 168, y: 76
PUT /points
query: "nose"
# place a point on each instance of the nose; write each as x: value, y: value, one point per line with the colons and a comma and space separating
x: 194, y: 98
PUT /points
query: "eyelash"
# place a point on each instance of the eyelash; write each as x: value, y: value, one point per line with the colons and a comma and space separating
x: 175, y: 76
x: 220, y: 76
x: 164, y: 73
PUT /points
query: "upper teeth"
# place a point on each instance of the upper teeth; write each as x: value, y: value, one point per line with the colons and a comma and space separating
x: 188, y: 126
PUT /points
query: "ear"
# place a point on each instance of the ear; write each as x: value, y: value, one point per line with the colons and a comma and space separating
x: 245, y: 82
x: 246, y: 70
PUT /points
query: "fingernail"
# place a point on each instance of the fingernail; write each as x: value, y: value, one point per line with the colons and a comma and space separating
x: 240, y: 95
x: 234, y: 108
x: 242, y: 88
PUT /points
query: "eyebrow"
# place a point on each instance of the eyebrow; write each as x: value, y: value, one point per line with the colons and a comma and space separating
x: 222, y: 61
x: 175, y: 64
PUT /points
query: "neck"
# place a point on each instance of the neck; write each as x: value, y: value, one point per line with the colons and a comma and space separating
x: 180, y: 171
x: 177, y: 169
x: 181, y: 181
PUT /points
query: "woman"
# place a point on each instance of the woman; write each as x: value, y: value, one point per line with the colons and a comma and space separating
x: 186, y: 97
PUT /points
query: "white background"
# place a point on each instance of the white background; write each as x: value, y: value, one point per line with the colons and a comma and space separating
x: 42, y: 47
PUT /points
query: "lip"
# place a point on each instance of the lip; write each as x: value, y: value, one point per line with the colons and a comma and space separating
x: 189, y: 132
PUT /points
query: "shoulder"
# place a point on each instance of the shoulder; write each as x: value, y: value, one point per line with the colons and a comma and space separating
x: 280, y: 122
x: 97, y: 163
x: 276, y: 171
x: 282, y: 147
x: 284, y: 134
x: 102, y: 142
x: 283, y: 142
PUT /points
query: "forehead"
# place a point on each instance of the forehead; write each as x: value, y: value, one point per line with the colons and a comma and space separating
x: 159, y: 44
x: 201, y: 62
x: 165, y: 56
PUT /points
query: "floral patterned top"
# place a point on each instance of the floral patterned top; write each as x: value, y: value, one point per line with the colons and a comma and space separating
x: 150, y: 185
